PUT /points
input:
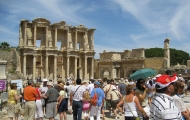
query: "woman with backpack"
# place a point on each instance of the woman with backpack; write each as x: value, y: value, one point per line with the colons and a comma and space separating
x: 130, y: 104
x: 115, y: 98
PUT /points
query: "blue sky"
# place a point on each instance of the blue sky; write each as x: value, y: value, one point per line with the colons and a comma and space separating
x: 120, y: 24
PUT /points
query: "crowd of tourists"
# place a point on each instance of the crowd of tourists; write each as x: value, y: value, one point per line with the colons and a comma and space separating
x: 156, y: 98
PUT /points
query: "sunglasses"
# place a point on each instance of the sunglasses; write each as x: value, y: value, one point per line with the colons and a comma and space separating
x: 182, y: 86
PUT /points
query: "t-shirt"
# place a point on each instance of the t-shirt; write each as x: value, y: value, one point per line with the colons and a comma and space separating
x: 90, y: 87
x: 78, y: 94
x: 62, y: 93
x: 122, y: 88
x: 101, y: 95
x: 115, y: 94
x: 44, y: 89
x: 52, y: 95
x: 163, y: 107
x: 107, y: 90
x: 30, y: 93
x: 11, y: 98
x: 179, y: 103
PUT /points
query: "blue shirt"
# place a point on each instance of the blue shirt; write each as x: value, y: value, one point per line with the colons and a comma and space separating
x: 101, y: 95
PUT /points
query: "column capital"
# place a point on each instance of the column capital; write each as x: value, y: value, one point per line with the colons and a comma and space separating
x: 55, y: 55
x: 34, y: 55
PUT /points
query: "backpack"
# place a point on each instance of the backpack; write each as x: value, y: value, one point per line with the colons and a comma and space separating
x: 94, y: 99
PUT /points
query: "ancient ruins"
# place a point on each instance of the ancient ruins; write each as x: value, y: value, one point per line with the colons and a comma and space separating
x: 75, y: 58
x: 122, y: 64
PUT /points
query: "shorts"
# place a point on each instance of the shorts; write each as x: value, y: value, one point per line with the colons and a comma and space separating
x: 108, y: 103
x: 51, y: 110
x: 62, y: 106
x: 150, y: 95
x: 114, y: 103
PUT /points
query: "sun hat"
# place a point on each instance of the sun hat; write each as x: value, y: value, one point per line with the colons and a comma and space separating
x: 50, y: 84
x: 61, y: 85
x: 121, y: 80
x: 164, y: 81
x: 45, y: 80
x: 97, y: 83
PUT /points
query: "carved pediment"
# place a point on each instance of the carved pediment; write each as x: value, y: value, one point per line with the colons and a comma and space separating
x: 41, y: 21
x: 62, y: 23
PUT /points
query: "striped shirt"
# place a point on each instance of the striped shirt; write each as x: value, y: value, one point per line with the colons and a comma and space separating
x: 163, y: 108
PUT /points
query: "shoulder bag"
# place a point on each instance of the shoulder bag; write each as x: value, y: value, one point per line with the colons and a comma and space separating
x: 76, y: 91
x: 136, y: 118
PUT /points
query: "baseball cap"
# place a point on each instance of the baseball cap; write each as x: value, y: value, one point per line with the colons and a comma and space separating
x: 97, y: 83
x: 164, y: 81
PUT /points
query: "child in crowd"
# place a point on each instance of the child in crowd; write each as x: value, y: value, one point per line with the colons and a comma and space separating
x: 86, y: 104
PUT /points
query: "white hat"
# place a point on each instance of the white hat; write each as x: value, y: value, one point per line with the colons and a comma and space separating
x: 45, y: 80
x: 50, y: 84
x: 126, y: 80
x: 121, y: 80
x: 113, y: 88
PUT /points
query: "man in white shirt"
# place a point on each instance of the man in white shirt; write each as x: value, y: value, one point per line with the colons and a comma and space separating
x: 162, y: 106
x: 91, y: 85
x: 76, y: 97
x: 44, y: 89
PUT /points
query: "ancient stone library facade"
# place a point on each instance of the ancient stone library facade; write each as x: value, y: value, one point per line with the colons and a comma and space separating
x: 41, y: 56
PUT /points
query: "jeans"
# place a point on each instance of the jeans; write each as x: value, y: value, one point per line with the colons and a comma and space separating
x: 77, y: 110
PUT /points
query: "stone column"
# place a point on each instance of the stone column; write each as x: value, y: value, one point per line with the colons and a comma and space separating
x: 80, y: 70
x: 85, y: 40
x: 55, y: 67
x: 34, y: 35
x: 25, y: 33
x: 67, y: 39
x: 92, y: 41
x: 55, y: 37
x: 24, y: 66
x: 68, y: 65
x: 34, y: 67
x: 92, y: 68
x: 85, y: 66
x: 46, y: 36
x: 75, y: 39
x: 46, y: 69
x: 75, y: 67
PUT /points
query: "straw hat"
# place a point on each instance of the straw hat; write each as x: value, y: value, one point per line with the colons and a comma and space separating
x: 50, y: 84
x: 61, y: 85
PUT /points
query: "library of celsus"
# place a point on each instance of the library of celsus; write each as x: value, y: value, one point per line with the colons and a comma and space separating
x: 55, y: 50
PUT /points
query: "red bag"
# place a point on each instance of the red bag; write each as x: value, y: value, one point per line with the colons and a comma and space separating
x: 94, y: 99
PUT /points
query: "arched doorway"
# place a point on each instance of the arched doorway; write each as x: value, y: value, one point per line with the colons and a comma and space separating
x: 106, y: 73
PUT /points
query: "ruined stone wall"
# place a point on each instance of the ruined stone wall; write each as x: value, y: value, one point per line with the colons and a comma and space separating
x: 10, y: 57
x: 155, y: 63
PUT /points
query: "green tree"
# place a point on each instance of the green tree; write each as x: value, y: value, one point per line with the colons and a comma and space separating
x: 176, y: 56
x: 4, y: 45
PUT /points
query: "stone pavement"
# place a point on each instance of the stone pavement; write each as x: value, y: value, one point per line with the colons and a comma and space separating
x: 3, y: 115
